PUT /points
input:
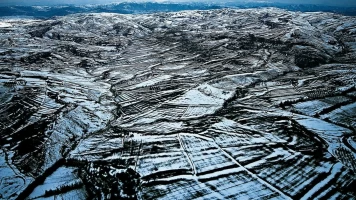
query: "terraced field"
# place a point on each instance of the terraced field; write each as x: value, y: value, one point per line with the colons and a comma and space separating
x: 217, y: 104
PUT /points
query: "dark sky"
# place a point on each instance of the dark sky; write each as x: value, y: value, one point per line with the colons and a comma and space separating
x: 345, y: 3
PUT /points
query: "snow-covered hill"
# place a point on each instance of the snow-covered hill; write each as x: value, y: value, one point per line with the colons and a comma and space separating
x: 215, y: 104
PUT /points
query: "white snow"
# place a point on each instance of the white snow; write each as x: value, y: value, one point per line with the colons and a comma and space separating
x: 151, y: 82
x: 5, y: 25
x: 225, y: 124
x: 12, y: 181
x: 335, y: 170
x: 62, y: 176
x: 311, y: 107
x: 321, y: 127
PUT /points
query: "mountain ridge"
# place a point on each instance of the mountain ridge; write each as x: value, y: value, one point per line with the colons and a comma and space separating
x: 152, y: 7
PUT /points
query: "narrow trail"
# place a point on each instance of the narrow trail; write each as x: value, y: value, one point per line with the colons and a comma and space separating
x: 285, y: 196
x: 186, y: 154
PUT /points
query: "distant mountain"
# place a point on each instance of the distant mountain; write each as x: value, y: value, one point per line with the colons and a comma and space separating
x: 122, y: 8
x: 151, y: 7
